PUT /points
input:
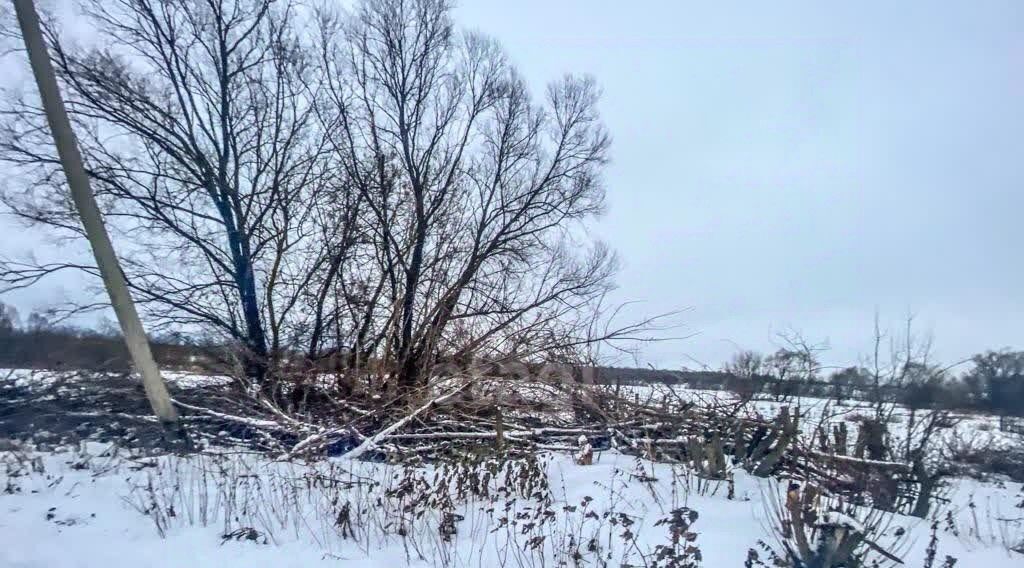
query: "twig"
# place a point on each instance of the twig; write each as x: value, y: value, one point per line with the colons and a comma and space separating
x: 372, y: 442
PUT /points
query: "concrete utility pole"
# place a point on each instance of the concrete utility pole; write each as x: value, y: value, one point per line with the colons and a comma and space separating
x: 85, y: 202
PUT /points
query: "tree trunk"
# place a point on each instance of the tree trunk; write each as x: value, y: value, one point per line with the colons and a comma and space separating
x: 927, y: 488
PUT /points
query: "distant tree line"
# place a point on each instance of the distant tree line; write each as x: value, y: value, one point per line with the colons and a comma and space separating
x: 41, y: 344
x: 899, y: 370
x: 992, y: 382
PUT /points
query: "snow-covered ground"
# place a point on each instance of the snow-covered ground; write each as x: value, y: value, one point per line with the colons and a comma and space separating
x: 38, y: 378
x: 981, y: 429
x: 97, y: 505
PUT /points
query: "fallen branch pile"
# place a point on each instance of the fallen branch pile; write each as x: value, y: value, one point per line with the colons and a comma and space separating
x: 471, y: 414
x: 468, y: 414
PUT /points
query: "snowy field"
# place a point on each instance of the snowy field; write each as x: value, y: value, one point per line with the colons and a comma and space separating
x: 100, y: 505
x: 42, y: 378
x: 91, y: 508
x: 978, y: 429
x: 95, y: 508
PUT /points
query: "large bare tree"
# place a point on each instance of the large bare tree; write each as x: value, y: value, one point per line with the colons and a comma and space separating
x: 475, y: 192
x: 384, y: 190
x: 196, y: 123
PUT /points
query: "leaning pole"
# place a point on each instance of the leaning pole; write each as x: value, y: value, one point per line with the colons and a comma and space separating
x: 85, y: 202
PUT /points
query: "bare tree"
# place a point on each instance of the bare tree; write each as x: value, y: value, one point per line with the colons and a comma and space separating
x: 793, y: 365
x: 908, y: 374
x: 381, y: 193
x: 746, y: 364
x: 196, y: 125
x: 8, y: 318
x: 894, y: 367
x: 475, y: 192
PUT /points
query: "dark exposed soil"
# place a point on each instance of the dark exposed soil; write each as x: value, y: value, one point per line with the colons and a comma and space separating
x: 104, y: 407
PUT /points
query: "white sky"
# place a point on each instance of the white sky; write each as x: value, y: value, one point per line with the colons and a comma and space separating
x: 800, y: 164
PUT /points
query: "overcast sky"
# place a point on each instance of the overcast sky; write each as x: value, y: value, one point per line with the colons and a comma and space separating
x: 798, y: 164
x: 782, y: 165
